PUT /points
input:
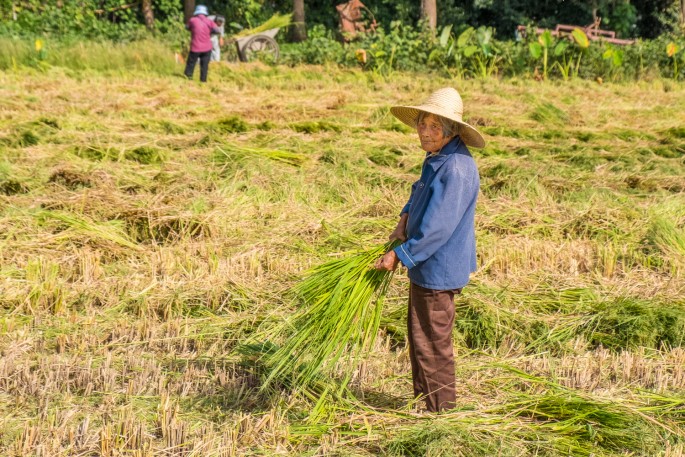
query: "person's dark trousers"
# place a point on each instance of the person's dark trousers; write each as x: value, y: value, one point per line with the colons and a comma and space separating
x: 429, y: 321
x: 204, y: 64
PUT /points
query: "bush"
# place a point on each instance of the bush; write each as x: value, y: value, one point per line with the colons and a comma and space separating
x: 320, y: 48
x: 401, y: 48
x: 476, y: 53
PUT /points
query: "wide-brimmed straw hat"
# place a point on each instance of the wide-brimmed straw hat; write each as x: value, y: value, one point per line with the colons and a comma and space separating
x: 445, y: 102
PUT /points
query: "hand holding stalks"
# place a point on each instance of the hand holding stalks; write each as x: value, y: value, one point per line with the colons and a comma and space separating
x: 388, y: 262
x: 400, y: 232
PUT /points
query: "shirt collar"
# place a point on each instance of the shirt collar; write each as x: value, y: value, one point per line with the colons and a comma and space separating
x: 455, y: 146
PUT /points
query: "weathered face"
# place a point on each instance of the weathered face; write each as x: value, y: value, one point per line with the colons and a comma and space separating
x: 431, y: 134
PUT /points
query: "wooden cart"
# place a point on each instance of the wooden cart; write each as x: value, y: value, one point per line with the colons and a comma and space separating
x: 249, y: 47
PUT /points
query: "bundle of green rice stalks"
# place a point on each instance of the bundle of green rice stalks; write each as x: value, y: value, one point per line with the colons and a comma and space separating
x: 585, y: 423
x: 338, y: 322
x: 233, y: 152
x: 590, y: 423
x: 80, y: 228
x: 626, y: 323
x: 277, y: 21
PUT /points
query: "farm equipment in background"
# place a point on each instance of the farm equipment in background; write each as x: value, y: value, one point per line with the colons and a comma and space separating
x: 251, y: 45
x: 592, y: 31
x: 355, y: 18
x: 259, y: 42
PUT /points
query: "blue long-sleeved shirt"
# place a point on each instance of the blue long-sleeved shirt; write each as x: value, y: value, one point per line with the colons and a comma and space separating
x: 440, y: 251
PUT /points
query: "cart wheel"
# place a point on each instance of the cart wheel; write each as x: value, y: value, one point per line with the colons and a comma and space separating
x: 260, y: 44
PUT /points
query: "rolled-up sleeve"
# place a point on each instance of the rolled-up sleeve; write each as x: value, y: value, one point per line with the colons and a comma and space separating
x: 450, y: 198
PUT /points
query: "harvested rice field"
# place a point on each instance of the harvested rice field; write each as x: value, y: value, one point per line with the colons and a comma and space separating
x: 152, y: 230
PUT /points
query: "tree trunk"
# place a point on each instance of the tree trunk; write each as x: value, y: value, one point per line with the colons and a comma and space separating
x: 429, y: 13
x: 595, y: 7
x: 298, y: 31
x: 682, y: 13
x: 148, y: 14
x: 188, y: 8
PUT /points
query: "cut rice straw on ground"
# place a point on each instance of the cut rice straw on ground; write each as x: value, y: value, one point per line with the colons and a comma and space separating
x: 235, y: 152
x: 339, y: 320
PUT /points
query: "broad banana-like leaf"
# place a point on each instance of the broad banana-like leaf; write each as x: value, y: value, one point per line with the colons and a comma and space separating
x: 470, y: 50
x: 484, y: 34
x: 545, y: 39
x: 617, y: 58
x: 580, y: 38
x: 464, y: 37
x: 560, y: 48
x: 487, y: 49
x: 535, y: 50
x: 445, y: 35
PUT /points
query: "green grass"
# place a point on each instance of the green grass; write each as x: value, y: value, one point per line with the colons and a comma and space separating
x: 86, y: 56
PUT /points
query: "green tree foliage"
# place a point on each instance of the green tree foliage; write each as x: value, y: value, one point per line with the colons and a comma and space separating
x: 122, y: 19
x: 246, y: 13
x: 115, y: 19
x: 621, y: 18
x: 5, y: 10
x: 629, y: 18
x: 652, y: 17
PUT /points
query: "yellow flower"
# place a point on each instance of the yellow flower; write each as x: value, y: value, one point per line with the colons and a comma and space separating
x: 671, y: 49
x: 360, y: 54
x: 39, y: 45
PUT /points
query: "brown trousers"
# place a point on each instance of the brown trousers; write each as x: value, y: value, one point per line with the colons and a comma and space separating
x: 429, y: 321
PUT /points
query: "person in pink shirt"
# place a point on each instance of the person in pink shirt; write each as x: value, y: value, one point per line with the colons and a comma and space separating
x: 201, y: 29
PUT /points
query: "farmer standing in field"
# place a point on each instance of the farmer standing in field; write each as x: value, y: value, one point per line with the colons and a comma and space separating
x: 217, y: 39
x: 439, y: 246
x: 201, y: 29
